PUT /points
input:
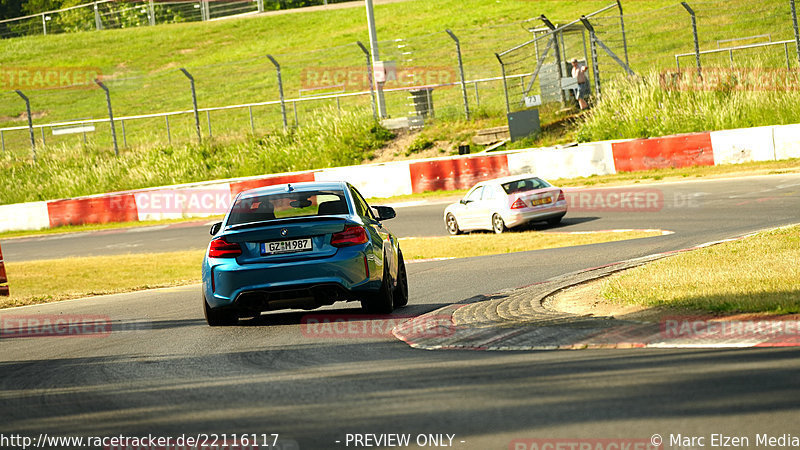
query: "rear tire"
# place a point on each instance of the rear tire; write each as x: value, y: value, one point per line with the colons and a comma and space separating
x: 498, y: 226
x: 217, y: 317
x: 401, y: 290
x: 451, y: 224
x: 554, y: 221
x: 381, y: 302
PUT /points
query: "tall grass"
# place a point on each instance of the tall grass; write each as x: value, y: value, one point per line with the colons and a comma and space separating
x: 659, y: 104
x: 327, y: 139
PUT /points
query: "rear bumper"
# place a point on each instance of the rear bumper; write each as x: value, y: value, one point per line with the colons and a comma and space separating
x: 299, y: 284
x: 535, y: 214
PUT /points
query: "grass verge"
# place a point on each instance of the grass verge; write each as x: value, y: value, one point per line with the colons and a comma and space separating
x: 45, y: 281
x: 757, y: 274
x: 52, y: 280
x: 481, y: 244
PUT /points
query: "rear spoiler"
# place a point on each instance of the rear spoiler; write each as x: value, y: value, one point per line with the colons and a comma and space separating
x: 244, y: 226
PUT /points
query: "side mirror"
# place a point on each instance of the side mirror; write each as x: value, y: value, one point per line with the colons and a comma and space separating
x: 384, y: 212
x: 464, y: 201
x: 215, y: 228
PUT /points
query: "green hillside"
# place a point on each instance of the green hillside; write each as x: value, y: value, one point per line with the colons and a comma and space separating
x: 227, y: 58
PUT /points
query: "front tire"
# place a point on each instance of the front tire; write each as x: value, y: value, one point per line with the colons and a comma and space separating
x: 451, y: 224
x: 218, y: 317
x: 498, y: 226
x: 400, y: 293
x: 381, y: 302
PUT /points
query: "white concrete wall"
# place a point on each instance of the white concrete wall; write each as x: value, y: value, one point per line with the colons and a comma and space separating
x: 581, y: 161
x: 373, y: 180
x: 787, y: 141
x: 743, y: 145
x: 24, y: 216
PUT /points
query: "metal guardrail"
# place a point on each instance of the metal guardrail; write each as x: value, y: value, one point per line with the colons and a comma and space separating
x: 730, y: 50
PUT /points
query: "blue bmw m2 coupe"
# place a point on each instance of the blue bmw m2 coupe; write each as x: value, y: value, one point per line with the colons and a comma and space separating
x: 303, y: 246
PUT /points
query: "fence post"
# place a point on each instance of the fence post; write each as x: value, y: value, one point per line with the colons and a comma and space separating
x: 369, y: 77
x: 696, y: 41
x: 3, y: 140
x: 124, y: 135
x: 194, y: 104
x: 110, y: 115
x: 557, y: 55
x: 280, y: 90
x: 595, y: 64
x: 98, y: 23
x: 373, y: 45
x: 624, y: 38
x: 152, y: 11
x: 505, y: 83
x: 796, y: 33
x: 252, y: 123
x: 260, y: 6
x: 461, y: 73
x: 30, y: 122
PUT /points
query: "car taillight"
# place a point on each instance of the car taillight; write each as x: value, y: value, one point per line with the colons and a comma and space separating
x: 220, y: 248
x: 518, y: 204
x: 352, y: 235
x: 561, y: 197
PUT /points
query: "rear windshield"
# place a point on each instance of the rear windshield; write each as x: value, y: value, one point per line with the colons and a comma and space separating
x: 284, y: 205
x: 527, y: 184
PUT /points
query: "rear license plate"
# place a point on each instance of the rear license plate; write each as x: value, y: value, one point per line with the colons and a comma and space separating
x: 288, y: 246
x: 541, y: 201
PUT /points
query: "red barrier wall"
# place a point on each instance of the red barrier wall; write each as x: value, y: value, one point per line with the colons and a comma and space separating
x: 3, y: 279
x: 114, y: 208
x: 657, y: 153
x: 457, y: 173
x: 240, y: 186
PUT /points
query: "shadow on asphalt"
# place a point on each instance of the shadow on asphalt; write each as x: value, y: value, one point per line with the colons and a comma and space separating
x: 353, y: 313
x: 310, y: 392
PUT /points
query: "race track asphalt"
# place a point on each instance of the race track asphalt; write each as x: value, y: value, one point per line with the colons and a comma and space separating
x: 163, y: 371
